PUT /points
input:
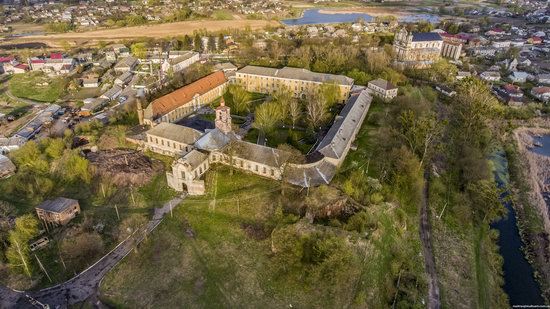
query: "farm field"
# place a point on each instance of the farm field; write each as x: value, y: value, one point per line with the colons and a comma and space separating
x: 155, y: 31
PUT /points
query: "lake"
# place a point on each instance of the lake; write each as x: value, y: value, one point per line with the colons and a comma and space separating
x: 314, y: 16
x: 519, y: 280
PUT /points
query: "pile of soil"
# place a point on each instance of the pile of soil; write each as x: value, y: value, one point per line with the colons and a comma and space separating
x: 124, y: 167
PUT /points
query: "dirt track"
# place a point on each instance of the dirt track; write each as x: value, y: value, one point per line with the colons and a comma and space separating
x: 154, y: 31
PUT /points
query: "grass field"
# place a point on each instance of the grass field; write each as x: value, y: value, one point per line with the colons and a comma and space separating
x: 216, y: 253
x: 155, y: 31
x: 28, y: 86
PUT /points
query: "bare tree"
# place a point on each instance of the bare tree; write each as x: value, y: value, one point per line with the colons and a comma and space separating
x: 316, y: 112
x: 294, y: 110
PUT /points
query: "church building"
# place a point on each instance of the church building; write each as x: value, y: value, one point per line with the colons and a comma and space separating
x: 417, y: 49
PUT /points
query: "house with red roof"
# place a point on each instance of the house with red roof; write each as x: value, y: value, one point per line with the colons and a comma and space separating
x: 20, y: 68
x: 534, y: 40
x: 542, y: 93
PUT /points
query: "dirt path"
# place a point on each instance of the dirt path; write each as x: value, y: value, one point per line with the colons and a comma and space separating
x: 86, y: 284
x: 427, y: 250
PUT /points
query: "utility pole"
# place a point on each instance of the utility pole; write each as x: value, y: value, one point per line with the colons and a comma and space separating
x: 42, y: 267
x: 117, y: 215
x: 171, y: 213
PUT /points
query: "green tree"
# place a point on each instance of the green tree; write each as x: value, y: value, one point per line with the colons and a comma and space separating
x: 419, y: 133
x: 211, y: 44
x: 197, y: 43
x: 267, y: 116
x: 135, y: 20
x: 139, y: 50
x: 54, y: 148
x: 240, y: 98
x: 187, y: 43
x: 221, y: 42
x: 329, y: 94
x: 26, y: 228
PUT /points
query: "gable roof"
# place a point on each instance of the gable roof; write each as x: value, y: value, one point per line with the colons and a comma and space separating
x: 174, y: 132
x: 297, y: 73
x: 185, y: 94
x: 58, y: 205
x: 382, y: 83
x: 341, y: 133
x: 426, y: 36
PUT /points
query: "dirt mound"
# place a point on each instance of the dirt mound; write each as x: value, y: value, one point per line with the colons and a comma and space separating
x: 124, y: 167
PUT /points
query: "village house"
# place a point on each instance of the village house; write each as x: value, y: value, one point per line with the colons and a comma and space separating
x: 511, y: 94
x: 490, y: 76
x: 126, y: 64
x: 7, y: 168
x: 183, y: 61
x: 112, y: 93
x: 182, y: 102
x: 123, y: 79
x: 518, y: 77
x: 20, y: 68
x: 542, y: 93
x: 300, y: 82
x: 543, y: 79
x: 417, y: 49
x: 57, y: 212
x: 383, y: 89
x: 96, y: 104
x: 92, y: 82
x: 171, y: 139
x: 462, y: 74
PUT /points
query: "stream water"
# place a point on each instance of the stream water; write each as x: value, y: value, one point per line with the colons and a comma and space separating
x: 519, y: 282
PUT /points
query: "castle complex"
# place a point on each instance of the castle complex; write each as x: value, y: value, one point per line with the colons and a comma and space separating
x: 197, y: 150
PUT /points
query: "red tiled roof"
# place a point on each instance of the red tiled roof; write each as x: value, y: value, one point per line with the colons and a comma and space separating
x: 6, y: 59
x: 541, y: 90
x: 512, y: 88
x: 22, y: 66
x: 38, y: 61
x: 56, y: 56
x: 185, y: 94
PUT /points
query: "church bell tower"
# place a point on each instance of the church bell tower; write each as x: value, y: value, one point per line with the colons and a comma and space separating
x: 223, y: 118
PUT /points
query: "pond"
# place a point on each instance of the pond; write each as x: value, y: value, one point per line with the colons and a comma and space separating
x: 314, y: 16
x: 519, y: 280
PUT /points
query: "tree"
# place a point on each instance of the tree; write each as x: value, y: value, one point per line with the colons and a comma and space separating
x: 81, y: 249
x: 419, y: 132
x: 329, y: 94
x: 283, y: 96
x: 241, y: 98
x: 54, y: 148
x: 295, y: 111
x: 268, y: 115
x: 316, y: 112
x: 187, y: 43
x: 443, y: 72
x: 197, y: 43
x: 139, y: 50
x: 377, y: 61
x: 221, y: 42
x: 26, y: 228
x: 211, y: 44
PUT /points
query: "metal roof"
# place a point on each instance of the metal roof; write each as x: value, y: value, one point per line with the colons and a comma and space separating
x: 58, y: 205
x: 298, y: 74
x: 426, y: 36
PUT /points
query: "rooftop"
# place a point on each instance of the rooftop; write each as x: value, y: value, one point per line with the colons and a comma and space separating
x: 175, y: 132
x: 297, y: 73
x: 58, y: 205
x: 426, y: 36
x: 382, y: 83
x: 185, y: 94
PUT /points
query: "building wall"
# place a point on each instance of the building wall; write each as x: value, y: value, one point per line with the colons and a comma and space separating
x: 451, y: 50
x: 167, y: 147
x: 300, y: 88
x: 58, y: 218
x: 186, y: 63
x: 381, y: 92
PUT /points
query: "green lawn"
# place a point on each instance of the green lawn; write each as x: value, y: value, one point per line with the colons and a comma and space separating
x: 216, y: 253
x: 222, y: 15
x: 33, y: 86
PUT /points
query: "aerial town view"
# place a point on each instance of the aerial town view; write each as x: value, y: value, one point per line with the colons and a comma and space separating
x: 275, y: 154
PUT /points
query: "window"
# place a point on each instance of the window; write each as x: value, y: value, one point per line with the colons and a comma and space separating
x: 162, y: 142
x: 183, y: 175
x: 272, y: 172
x: 256, y: 167
x: 265, y: 170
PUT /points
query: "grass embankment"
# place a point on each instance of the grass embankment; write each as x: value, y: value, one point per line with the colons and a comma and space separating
x: 37, y: 86
x: 529, y: 220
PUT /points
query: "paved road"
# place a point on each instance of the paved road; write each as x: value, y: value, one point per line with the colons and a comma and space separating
x: 427, y: 250
x: 85, y: 284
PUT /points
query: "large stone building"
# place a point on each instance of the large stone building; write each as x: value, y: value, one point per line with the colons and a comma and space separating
x: 222, y: 146
x: 301, y: 82
x: 383, y: 89
x: 184, y: 101
x: 171, y: 139
x: 417, y: 49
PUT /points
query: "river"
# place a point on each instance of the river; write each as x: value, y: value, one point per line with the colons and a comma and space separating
x: 314, y: 17
x: 519, y: 281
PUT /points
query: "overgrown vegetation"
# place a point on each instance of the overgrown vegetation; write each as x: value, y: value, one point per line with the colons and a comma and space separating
x: 37, y: 86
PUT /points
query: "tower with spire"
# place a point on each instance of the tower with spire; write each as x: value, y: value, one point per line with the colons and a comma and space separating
x: 223, y: 118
